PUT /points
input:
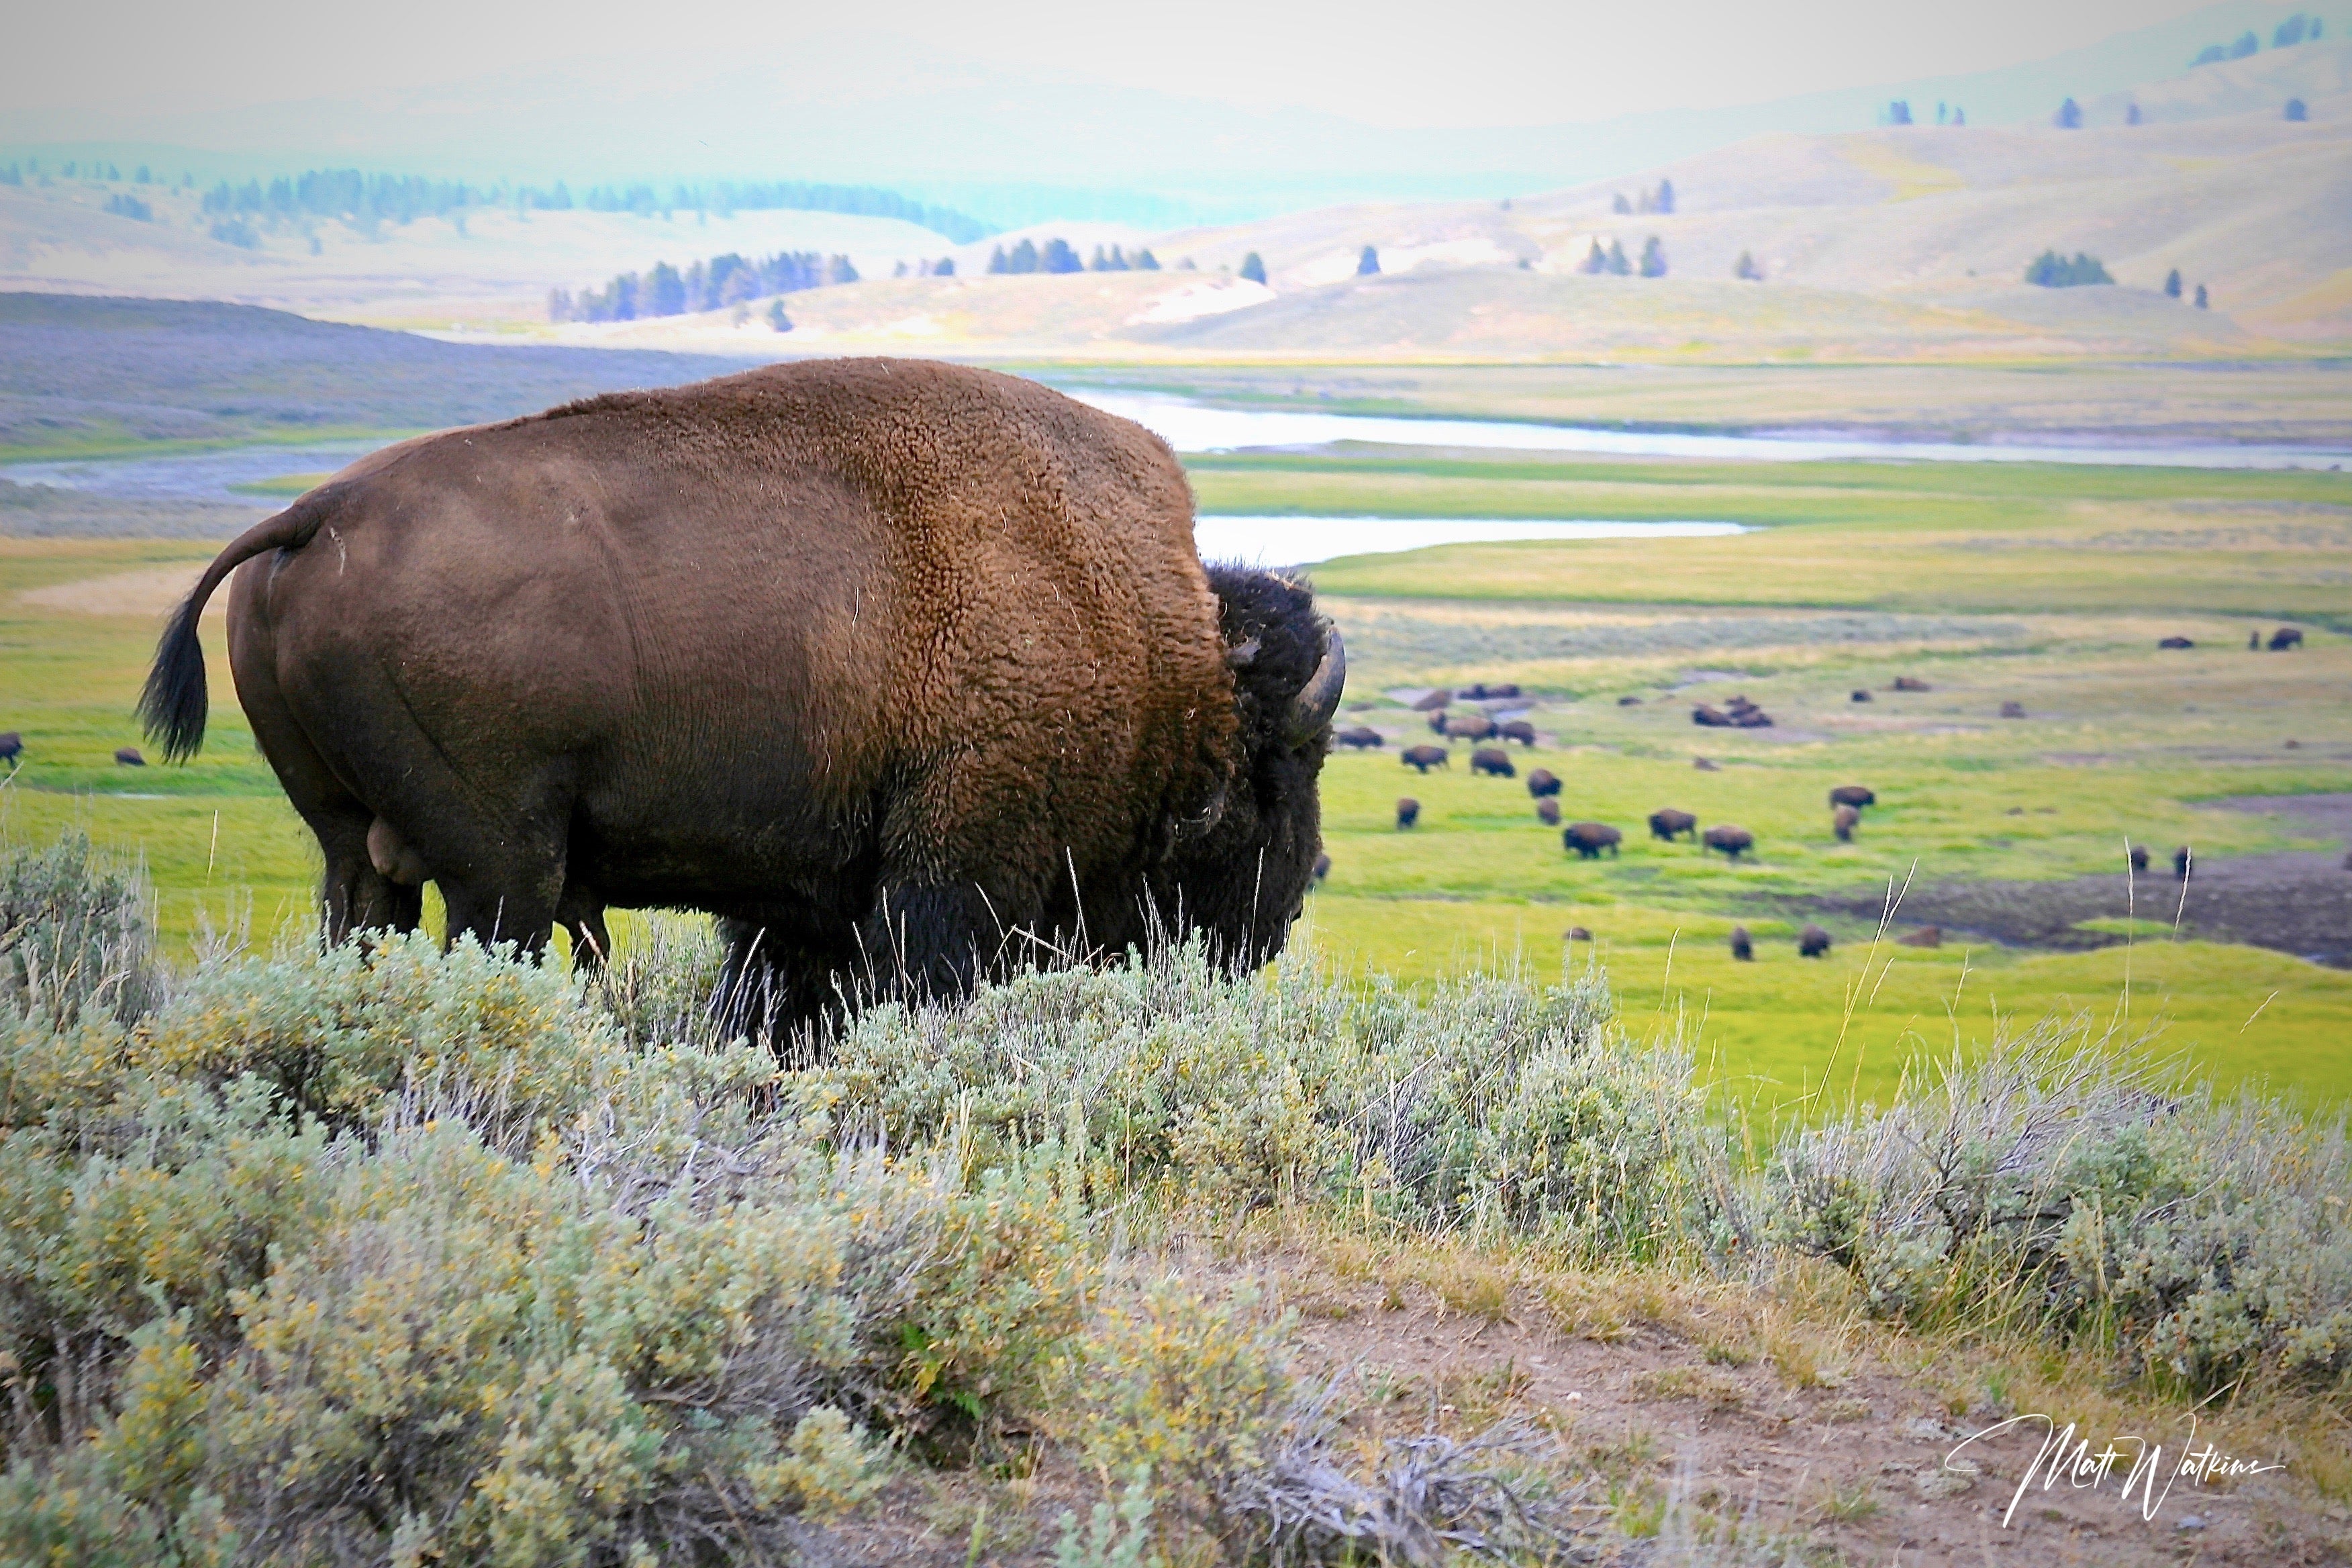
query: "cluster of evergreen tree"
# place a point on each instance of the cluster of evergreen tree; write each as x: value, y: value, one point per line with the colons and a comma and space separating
x: 943, y: 267
x: 1054, y: 255
x: 1368, y: 263
x: 727, y: 197
x: 1898, y: 113
x: 2051, y: 270
x: 712, y: 285
x: 1117, y: 260
x: 345, y: 194
x: 122, y: 205
x: 2069, y: 116
x: 2298, y: 29
x: 1660, y: 200
x: 1612, y: 261
x: 2172, y: 288
x: 11, y: 175
x: 2298, y: 111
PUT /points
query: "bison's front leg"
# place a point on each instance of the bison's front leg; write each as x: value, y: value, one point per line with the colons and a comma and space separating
x: 926, y: 943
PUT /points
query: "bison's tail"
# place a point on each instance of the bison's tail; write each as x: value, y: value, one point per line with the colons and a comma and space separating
x: 174, y: 703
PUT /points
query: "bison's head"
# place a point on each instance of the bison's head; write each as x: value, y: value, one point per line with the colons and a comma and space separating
x: 1243, y: 877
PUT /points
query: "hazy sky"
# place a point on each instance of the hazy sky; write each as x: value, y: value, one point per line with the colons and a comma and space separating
x: 1456, y: 62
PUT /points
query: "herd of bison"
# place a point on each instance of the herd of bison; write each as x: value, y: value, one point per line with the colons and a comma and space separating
x: 1591, y: 840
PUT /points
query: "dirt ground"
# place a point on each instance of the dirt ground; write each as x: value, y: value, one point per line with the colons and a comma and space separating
x: 2297, y: 902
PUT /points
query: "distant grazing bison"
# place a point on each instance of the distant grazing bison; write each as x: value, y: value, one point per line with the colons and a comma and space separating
x: 1705, y: 765
x: 1854, y: 795
x: 1911, y: 683
x: 1517, y: 730
x: 1859, y: 695
x: 808, y: 647
x: 129, y: 757
x: 1361, y: 738
x: 1423, y: 758
x: 2174, y: 642
x: 1706, y: 716
x: 1733, y: 842
x: 1322, y: 867
x: 12, y: 746
x: 2181, y: 859
x: 1543, y: 782
x: 1590, y: 839
x: 1925, y: 936
x: 1666, y: 822
x: 1812, y: 942
x: 1408, y: 812
x: 1742, y: 947
x: 1469, y: 727
x: 1629, y: 702
x: 1493, y: 761
x: 2253, y: 642
x: 1843, y: 821
x: 2284, y: 638
x: 1547, y: 812
x: 2138, y: 856
x: 1479, y: 691
x: 2012, y: 709
x: 1579, y: 933
x: 1433, y: 702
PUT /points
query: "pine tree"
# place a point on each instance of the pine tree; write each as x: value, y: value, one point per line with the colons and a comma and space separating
x: 2296, y: 110
x: 1617, y: 266
x: 1145, y: 261
x: 1252, y: 268
x: 2201, y: 297
x: 1057, y: 257
x: 1746, y: 271
x: 1899, y: 112
x: 1654, y: 258
x: 944, y: 267
x: 1621, y: 206
x: 2246, y: 45
x: 142, y: 176
x: 2131, y: 114
x: 1101, y: 262
x: 1024, y: 257
x: 2069, y: 116
x: 1665, y: 195
x: 1368, y: 263
x: 777, y: 320
x: 559, y: 304
x: 2172, y: 284
x: 997, y: 263
x: 1943, y: 113
x: 1960, y: 115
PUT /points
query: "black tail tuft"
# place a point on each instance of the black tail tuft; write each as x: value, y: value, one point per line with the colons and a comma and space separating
x: 174, y: 704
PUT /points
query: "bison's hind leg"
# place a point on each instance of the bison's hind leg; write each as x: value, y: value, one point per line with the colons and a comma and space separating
x: 356, y: 894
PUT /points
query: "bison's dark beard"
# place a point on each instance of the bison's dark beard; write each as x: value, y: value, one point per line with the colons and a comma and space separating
x: 1241, y: 883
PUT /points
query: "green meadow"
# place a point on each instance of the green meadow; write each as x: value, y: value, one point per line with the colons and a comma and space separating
x: 2044, y: 585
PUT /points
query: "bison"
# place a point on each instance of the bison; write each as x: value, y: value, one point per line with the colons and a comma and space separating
x: 1494, y: 761
x: 1706, y: 716
x: 1437, y: 721
x: 129, y: 757
x: 1590, y: 839
x: 1547, y: 812
x: 1408, y: 812
x: 1733, y: 842
x: 1742, y: 947
x: 1812, y: 942
x: 1517, y: 730
x: 2138, y: 856
x: 1860, y: 695
x: 1423, y: 758
x: 899, y: 668
x: 1431, y: 701
x: 1842, y: 822
x: 1854, y: 795
x: 2254, y: 642
x: 2174, y: 642
x: 2012, y: 709
x: 1925, y: 936
x: 1578, y: 933
x: 2181, y: 860
x: 1911, y: 683
x: 1543, y: 782
x: 1361, y: 738
x: 1322, y: 867
x: 12, y: 746
x: 1705, y: 766
x: 1629, y: 702
x: 1666, y: 822
x: 2285, y: 637
x: 1468, y: 727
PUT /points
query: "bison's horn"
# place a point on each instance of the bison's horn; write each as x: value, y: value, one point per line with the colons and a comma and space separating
x: 1319, y: 697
